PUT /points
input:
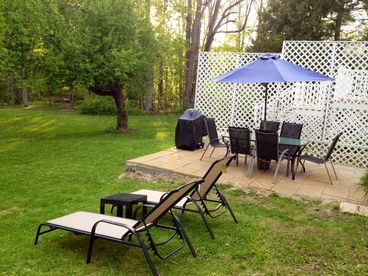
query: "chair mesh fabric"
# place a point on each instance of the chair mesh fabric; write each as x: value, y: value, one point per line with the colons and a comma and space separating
x: 267, y: 145
x: 212, y: 131
x: 168, y: 202
x: 290, y: 130
x: 211, y: 176
x: 269, y: 125
x: 332, y: 146
x: 240, y: 140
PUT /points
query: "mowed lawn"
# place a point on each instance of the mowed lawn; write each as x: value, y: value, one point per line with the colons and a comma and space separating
x: 53, y: 162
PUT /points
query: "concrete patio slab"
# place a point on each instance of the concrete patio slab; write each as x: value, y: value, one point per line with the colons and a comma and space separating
x: 175, y: 164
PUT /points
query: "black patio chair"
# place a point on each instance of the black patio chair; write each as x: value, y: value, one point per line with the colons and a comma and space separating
x: 290, y: 130
x: 122, y: 230
x: 317, y: 159
x: 214, y: 140
x: 267, y: 149
x: 239, y: 139
x: 269, y: 125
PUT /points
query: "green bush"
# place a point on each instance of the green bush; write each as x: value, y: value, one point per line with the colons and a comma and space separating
x: 98, y: 106
x: 105, y: 106
x: 364, y: 184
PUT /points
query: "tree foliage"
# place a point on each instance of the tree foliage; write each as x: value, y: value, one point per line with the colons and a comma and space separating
x: 290, y: 20
x: 301, y: 20
x: 105, y: 45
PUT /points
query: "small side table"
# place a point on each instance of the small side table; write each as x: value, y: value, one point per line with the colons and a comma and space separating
x: 120, y: 200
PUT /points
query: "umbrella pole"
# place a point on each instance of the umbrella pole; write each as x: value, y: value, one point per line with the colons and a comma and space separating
x: 265, y: 103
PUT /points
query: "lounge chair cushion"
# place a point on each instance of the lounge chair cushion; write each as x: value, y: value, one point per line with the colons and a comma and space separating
x: 83, y: 222
x: 155, y: 196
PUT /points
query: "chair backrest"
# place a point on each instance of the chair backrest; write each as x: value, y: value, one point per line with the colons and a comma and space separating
x: 332, y: 146
x: 166, y: 203
x: 211, y: 130
x: 239, y: 140
x: 210, y: 177
x: 291, y: 130
x: 269, y: 125
x: 267, y: 144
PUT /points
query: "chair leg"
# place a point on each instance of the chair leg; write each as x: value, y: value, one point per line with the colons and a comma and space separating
x: 212, y: 151
x: 146, y: 254
x: 204, y: 151
x: 224, y: 201
x: 303, y: 165
x: 333, y: 167
x: 329, y: 176
x: 278, y: 165
x: 200, y: 211
x: 250, y: 168
x: 237, y: 159
x: 276, y: 172
x: 245, y: 159
x: 184, y: 235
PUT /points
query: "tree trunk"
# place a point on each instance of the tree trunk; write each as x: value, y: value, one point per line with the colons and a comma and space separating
x: 149, y: 74
x: 211, y: 26
x: 149, y: 89
x: 122, y: 116
x: 160, y: 85
x: 188, y: 42
x: 24, y: 97
x: 24, y: 90
x: 193, y: 56
x: 114, y: 90
x: 340, y: 9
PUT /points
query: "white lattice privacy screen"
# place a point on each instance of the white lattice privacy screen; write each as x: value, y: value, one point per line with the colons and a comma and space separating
x: 325, y: 108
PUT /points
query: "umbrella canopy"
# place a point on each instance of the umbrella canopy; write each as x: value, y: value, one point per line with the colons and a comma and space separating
x: 270, y: 69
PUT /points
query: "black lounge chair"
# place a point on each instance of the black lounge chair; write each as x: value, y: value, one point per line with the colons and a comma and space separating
x: 122, y: 230
x: 214, y: 140
x: 200, y: 197
x: 321, y: 159
x: 267, y: 149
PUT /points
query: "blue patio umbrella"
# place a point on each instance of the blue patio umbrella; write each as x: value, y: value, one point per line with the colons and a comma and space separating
x: 267, y: 69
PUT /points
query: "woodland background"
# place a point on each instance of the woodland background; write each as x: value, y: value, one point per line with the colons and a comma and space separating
x: 143, y: 54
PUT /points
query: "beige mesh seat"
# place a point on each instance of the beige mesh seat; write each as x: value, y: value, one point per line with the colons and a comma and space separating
x: 123, y: 230
x: 199, y: 200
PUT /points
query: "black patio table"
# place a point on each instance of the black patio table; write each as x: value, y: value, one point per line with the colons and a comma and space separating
x: 291, y: 142
x: 121, y: 200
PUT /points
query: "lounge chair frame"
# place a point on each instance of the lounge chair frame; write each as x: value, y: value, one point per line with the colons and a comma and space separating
x: 199, y: 196
x: 151, y: 219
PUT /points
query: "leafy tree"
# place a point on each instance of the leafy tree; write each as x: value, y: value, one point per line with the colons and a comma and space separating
x: 301, y: 20
x: 105, y: 45
x: 290, y: 20
x: 22, y: 41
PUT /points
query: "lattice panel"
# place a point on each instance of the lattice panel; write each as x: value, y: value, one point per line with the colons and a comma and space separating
x: 345, y: 101
x: 228, y: 103
x: 325, y: 109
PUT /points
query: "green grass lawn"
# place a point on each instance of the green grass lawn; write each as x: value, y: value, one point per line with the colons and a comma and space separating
x: 54, y: 162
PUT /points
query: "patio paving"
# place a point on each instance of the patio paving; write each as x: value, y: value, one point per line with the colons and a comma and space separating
x: 175, y: 164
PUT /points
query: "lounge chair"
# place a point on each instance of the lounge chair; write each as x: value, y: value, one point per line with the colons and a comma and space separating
x: 122, y: 229
x: 200, y: 197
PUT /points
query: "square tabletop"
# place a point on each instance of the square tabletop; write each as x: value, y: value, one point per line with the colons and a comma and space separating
x: 124, y: 199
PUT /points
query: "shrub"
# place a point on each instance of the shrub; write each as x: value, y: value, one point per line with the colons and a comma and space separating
x: 364, y: 184
x: 98, y: 106
x: 105, y: 106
